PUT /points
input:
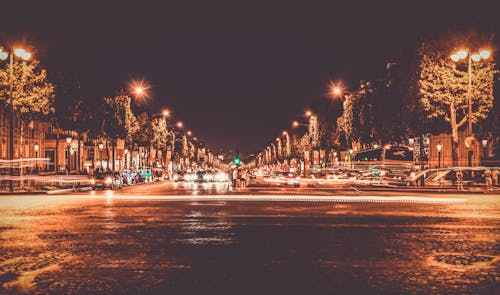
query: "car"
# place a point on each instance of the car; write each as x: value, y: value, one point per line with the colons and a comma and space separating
x: 106, y: 180
x: 179, y: 176
x: 280, y: 178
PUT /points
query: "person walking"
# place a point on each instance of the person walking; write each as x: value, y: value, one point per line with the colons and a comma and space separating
x: 234, y: 177
x: 495, y: 175
x: 244, y: 178
x: 460, y: 179
x: 488, y: 179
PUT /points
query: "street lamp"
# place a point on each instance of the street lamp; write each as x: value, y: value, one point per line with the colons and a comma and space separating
x: 36, y: 147
x: 335, y: 90
x: 24, y: 55
x: 101, y: 146
x: 68, y: 156
x: 125, y: 152
x: 308, y: 113
x: 165, y: 113
x: 439, y: 147
x: 179, y: 124
x: 476, y: 57
x: 485, y: 150
x: 189, y: 133
x: 296, y: 124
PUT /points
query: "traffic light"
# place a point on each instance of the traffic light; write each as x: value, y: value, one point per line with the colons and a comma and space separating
x: 237, y: 160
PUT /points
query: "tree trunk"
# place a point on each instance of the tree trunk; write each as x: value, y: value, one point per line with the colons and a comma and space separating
x: 56, y: 157
x: 78, y: 154
x: 113, y: 144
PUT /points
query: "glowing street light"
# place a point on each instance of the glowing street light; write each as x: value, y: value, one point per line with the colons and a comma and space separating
x: 476, y: 57
x: 165, y: 113
x: 25, y: 55
x: 139, y: 89
x: 439, y: 147
x: 335, y: 90
x: 189, y: 133
x: 36, y: 147
x: 284, y: 133
x: 296, y: 124
x: 101, y: 146
x: 308, y: 113
x: 180, y: 124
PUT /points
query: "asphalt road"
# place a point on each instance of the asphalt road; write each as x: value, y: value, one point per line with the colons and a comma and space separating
x: 160, y: 238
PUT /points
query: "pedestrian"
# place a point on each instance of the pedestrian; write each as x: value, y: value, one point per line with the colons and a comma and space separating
x: 495, y: 175
x: 234, y: 177
x: 488, y: 179
x: 243, y: 178
x: 460, y: 179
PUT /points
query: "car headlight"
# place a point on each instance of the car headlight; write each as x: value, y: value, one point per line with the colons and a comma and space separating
x: 92, y: 181
x: 176, y: 177
x: 108, y: 180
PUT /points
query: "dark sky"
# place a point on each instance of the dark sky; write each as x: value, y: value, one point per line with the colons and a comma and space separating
x: 235, y: 72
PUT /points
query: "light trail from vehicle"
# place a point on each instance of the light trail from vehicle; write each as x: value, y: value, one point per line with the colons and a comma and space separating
x: 296, y: 198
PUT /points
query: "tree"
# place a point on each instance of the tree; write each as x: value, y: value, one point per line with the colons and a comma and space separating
x: 287, y: 150
x: 443, y: 89
x: 159, y: 135
x: 119, y: 121
x: 32, y: 94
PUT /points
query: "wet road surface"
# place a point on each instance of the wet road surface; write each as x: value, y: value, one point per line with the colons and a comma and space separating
x: 116, y: 243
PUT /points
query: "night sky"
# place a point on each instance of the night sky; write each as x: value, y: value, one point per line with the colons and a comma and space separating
x: 236, y: 73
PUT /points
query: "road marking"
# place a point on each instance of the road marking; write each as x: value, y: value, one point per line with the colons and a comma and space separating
x: 295, y: 198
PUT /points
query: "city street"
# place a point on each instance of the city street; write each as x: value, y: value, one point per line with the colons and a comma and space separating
x: 203, y: 238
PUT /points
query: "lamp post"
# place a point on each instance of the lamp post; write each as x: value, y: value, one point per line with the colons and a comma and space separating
x: 485, y: 150
x: 24, y: 55
x: 439, y: 147
x: 476, y: 57
x: 36, y: 147
x: 125, y: 152
x: 101, y: 146
x: 68, y: 156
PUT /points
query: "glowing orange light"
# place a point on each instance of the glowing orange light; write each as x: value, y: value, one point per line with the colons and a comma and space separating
x: 166, y: 113
x: 139, y: 89
x: 189, y: 133
x: 180, y: 124
x: 295, y: 124
x: 309, y: 113
x: 285, y: 133
x: 335, y: 89
x: 475, y: 57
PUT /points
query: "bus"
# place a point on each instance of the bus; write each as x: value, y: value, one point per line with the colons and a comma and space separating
x: 391, y: 160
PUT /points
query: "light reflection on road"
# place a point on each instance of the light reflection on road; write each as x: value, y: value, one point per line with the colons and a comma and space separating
x: 121, y: 242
